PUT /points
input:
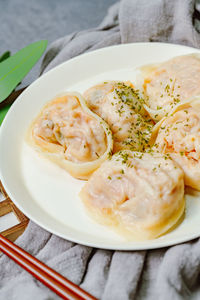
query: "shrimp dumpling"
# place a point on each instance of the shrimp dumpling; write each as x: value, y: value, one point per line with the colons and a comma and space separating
x: 170, y: 83
x: 179, y: 136
x: 121, y: 106
x: 71, y: 135
x: 140, y: 195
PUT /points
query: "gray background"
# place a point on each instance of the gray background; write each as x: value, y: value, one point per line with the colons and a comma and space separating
x: 25, y: 21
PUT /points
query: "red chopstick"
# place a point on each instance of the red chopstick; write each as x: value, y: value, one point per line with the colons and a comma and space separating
x: 56, y: 282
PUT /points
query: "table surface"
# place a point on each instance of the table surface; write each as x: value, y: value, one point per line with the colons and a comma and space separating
x: 24, y: 22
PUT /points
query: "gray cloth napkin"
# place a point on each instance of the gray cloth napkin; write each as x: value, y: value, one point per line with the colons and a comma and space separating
x: 170, y: 273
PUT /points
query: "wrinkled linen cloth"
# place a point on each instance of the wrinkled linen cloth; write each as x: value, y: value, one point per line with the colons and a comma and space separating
x: 169, y: 273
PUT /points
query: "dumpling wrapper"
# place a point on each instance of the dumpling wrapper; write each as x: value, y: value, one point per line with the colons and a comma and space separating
x: 68, y: 133
x: 170, y: 83
x: 140, y: 195
x: 120, y: 105
x: 178, y: 135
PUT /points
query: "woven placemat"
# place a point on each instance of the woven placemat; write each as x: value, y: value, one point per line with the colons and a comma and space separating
x: 6, y: 207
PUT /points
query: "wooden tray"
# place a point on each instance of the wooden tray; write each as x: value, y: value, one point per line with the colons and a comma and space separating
x: 6, y: 207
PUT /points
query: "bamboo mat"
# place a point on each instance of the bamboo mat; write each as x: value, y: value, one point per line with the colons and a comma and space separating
x: 6, y: 207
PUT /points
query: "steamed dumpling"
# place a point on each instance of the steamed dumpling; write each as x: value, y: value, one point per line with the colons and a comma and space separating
x: 169, y: 83
x: 120, y: 105
x: 141, y: 195
x: 179, y: 136
x: 68, y: 133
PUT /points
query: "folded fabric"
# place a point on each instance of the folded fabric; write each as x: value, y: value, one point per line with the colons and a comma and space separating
x: 170, y: 273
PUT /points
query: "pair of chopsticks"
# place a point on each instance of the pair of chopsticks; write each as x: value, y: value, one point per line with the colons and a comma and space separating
x: 53, y: 280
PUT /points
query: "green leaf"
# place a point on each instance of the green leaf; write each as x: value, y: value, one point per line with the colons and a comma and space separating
x: 3, y: 112
x: 4, y: 56
x: 15, y: 68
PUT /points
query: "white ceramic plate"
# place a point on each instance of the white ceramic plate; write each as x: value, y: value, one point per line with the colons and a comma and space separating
x: 46, y: 193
